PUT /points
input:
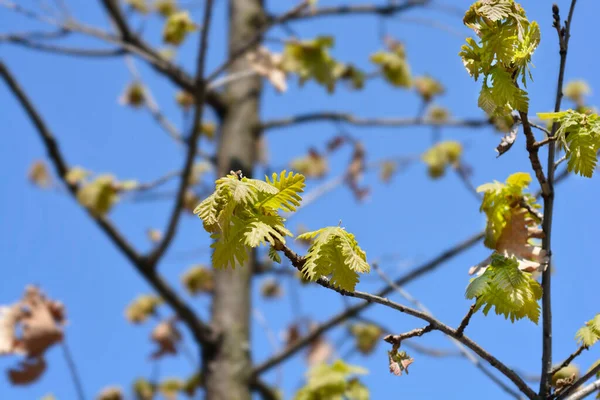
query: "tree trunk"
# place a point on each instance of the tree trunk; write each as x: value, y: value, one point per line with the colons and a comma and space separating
x: 228, y: 367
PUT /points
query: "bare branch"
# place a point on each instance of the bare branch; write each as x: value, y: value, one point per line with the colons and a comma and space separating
x: 194, y: 136
x: 69, y: 51
x: 359, y: 9
x: 396, y: 340
x: 586, y: 391
x: 568, y: 360
x: 75, y: 376
x: 152, y: 106
x: 132, y: 44
x: 465, y: 321
x: 369, y: 122
x: 564, y: 35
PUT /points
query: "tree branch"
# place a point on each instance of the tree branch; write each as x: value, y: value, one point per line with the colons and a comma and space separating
x: 567, y: 361
x: 202, y: 333
x: 396, y: 340
x: 464, y: 352
x: 564, y: 34
x: 298, y: 262
x: 133, y: 45
x: 194, y: 136
x: 586, y: 391
x: 465, y: 321
x: 357, y: 121
x: 359, y: 9
x: 69, y: 51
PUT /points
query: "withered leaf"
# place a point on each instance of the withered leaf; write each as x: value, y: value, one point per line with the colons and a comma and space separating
x: 507, y: 140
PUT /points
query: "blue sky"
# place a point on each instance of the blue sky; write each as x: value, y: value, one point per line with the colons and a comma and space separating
x: 46, y: 239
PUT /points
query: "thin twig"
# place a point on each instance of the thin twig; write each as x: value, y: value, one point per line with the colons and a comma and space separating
x: 194, y: 136
x: 358, y: 9
x: 396, y: 340
x: 152, y: 106
x: 55, y: 49
x: 75, y: 376
x: 586, y: 391
x: 568, y: 360
x: 466, y: 180
x: 465, y: 321
x: 369, y: 122
x: 564, y: 35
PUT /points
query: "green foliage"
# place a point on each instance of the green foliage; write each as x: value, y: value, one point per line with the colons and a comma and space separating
x: 142, y: 308
x: 590, y: 332
x: 143, y: 389
x: 243, y: 213
x: 512, y: 292
x: 580, y: 135
x: 198, y: 279
x: 98, y: 196
x: 333, y: 382
x: 394, y: 67
x: 334, y: 252
x: 507, y: 41
x: 310, y: 59
x: 428, y: 87
x: 576, y: 91
x: 367, y: 336
x: 399, y: 361
x: 440, y: 156
x: 500, y: 201
x: 177, y: 27
x: 166, y: 8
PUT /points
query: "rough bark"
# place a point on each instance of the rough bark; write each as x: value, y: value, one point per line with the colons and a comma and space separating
x: 228, y: 366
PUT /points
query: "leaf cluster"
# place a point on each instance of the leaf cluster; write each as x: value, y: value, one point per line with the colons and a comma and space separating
x: 244, y: 212
x: 579, y: 133
x: 590, y: 332
x: 177, y: 27
x: 333, y: 382
x: 310, y: 59
x: 334, y: 252
x: 503, y: 53
x: 394, y: 66
x: 440, y: 156
x: 511, y: 291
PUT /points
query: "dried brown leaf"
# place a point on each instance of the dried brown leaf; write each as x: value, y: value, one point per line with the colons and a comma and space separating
x: 166, y: 336
x: 28, y: 371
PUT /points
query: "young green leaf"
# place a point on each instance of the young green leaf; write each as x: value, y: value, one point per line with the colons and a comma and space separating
x: 333, y: 382
x: 334, y: 252
x: 507, y: 41
x: 242, y: 213
x: 511, y: 291
x: 590, y: 332
x: 580, y: 135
